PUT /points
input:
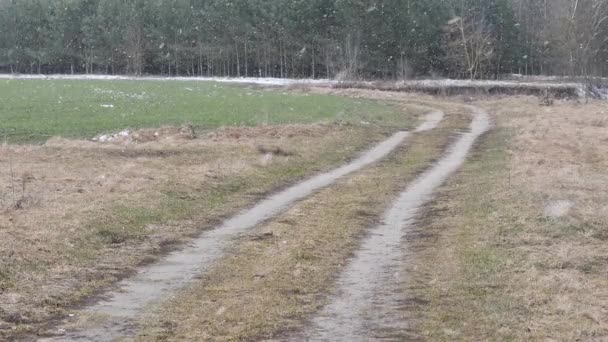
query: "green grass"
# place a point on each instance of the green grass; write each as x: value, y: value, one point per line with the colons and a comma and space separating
x: 5, y: 280
x: 31, y: 111
x: 481, y: 213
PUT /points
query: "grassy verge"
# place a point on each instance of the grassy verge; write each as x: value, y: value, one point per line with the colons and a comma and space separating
x: 493, y: 260
x: 35, y: 110
x: 281, y: 273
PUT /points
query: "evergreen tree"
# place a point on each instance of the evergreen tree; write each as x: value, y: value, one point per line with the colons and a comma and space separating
x: 305, y: 38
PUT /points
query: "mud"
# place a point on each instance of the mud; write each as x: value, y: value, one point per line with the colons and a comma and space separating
x: 115, y: 316
x: 366, y: 305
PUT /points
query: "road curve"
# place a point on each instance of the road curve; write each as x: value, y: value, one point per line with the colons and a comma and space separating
x: 157, y: 281
x: 366, y: 302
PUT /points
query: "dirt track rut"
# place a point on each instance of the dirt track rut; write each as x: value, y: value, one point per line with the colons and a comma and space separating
x: 119, y: 311
x: 366, y: 305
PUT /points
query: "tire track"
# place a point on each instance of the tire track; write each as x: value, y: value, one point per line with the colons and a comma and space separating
x: 151, y: 284
x: 366, y: 304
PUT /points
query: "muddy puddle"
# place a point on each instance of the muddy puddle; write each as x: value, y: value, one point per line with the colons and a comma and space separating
x: 366, y: 304
x: 115, y: 316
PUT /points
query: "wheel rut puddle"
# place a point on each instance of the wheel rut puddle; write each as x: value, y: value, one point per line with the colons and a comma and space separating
x: 366, y: 304
x: 116, y: 315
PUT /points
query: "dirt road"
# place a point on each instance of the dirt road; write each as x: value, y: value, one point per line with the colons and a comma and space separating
x: 115, y: 316
x: 366, y: 304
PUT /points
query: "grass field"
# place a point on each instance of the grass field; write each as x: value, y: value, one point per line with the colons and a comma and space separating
x: 511, y: 248
x: 35, y: 110
x: 77, y: 215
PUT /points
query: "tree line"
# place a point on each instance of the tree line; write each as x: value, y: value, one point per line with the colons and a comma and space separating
x: 306, y: 38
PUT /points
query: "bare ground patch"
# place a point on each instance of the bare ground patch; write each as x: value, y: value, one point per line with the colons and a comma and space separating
x: 79, y: 215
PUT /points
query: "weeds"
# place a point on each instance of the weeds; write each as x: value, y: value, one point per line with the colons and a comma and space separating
x: 20, y: 199
x: 12, y: 180
x: 5, y: 281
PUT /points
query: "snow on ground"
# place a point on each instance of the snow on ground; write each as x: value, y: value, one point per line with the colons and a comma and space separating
x: 483, y: 83
x: 422, y: 84
x: 528, y: 81
x: 557, y: 209
x: 601, y: 92
x: 450, y: 83
x: 121, y: 94
x: 250, y: 80
x: 111, y: 137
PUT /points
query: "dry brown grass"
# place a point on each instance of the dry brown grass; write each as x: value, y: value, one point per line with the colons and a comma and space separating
x: 473, y: 88
x: 282, y: 273
x: 488, y: 261
x: 492, y: 264
x: 84, y: 214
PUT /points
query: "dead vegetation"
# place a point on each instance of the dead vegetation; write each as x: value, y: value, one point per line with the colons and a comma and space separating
x: 514, y: 246
x: 76, y: 216
x: 472, y: 88
x: 274, y: 278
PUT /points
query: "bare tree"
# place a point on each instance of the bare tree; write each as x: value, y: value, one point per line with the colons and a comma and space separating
x: 135, y: 49
x: 592, y: 27
x: 352, y: 50
x: 471, y: 41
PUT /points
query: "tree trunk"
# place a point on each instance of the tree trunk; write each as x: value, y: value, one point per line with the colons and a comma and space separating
x: 246, y: 60
x: 265, y: 62
x: 281, y: 48
x: 285, y: 60
x: 200, y: 59
x: 238, y: 60
x: 313, y: 61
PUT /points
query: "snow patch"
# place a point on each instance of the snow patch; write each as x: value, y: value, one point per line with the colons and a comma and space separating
x: 600, y: 92
x: 112, y: 137
x: 249, y: 80
x: 550, y: 82
x: 487, y: 83
x: 557, y: 209
x: 267, y: 159
x: 120, y: 94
